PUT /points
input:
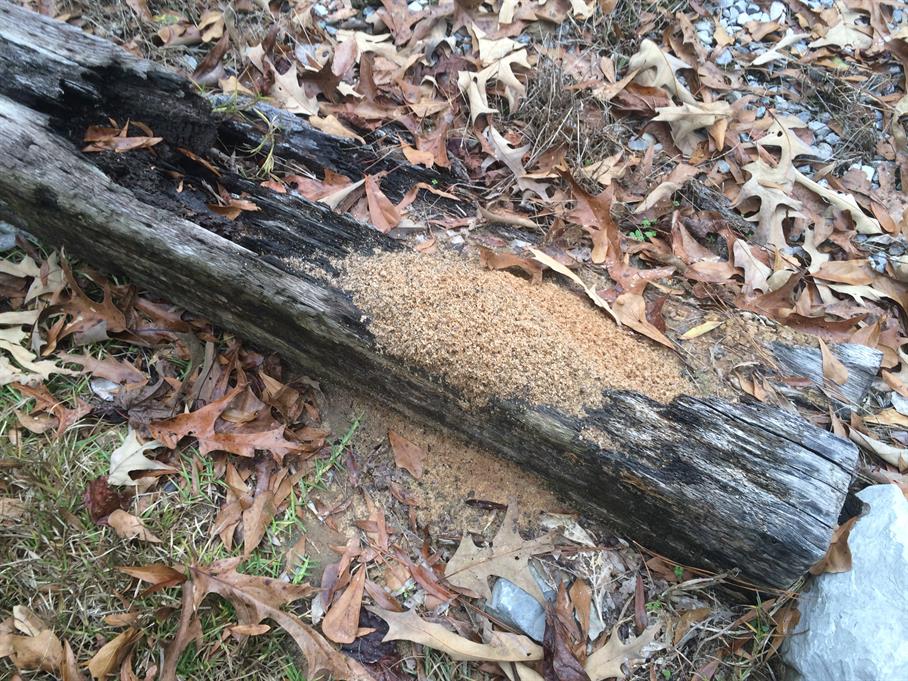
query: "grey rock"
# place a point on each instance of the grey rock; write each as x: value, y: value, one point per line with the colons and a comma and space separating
x: 753, y: 8
x: 8, y: 234
x: 638, y: 144
x: 743, y: 18
x: 869, y: 171
x: 723, y: 167
x: 763, y: 18
x: 320, y: 10
x: 725, y: 4
x: 415, y: 6
x: 824, y: 151
x: 832, y: 138
x: 805, y: 116
x: 733, y: 15
x: 761, y: 111
x: 741, y: 5
x: 703, y: 25
x: 705, y: 37
x: 853, y: 625
x: 776, y: 10
x: 897, y: 15
x: 517, y: 608
x: 724, y: 59
x: 781, y: 102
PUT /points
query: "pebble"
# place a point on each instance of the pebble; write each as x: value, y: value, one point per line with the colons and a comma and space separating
x: 703, y: 25
x: 761, y: 111
x: 869, y: 171
x: 724, y: 59
x: 415, y: 6
x: 320, y: 10
x: 705, y: 37
x: 733, y: 14
x: 824, y: 151
x: 805, y: 116
x: 776, y: 10
x: 741, y: 5
x: 638, y: 144
x: 832, y: 138
x: 723, y: 167
x: 743, y: 18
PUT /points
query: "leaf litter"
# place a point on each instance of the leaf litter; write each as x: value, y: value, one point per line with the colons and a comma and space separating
x: 696, y: 143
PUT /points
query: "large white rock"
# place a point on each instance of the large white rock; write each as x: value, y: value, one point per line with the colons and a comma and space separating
x: 854, y: 625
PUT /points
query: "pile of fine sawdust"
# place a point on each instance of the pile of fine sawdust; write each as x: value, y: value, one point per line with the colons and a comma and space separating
x: 495, y: 334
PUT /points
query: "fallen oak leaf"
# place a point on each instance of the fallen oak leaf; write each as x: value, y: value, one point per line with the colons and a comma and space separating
x: 508, y: 556
x: 503, y: 261
x: 896, y: 456
x: 128, y: 526
x: 833, y: 369
x: 158, y: 575
x: 610, y: 660
x: 102, y: 664
x: 384, y: 215
x: 129, y: 457
x: 258, y: 598
x: 630, y: 310
x: 838, y: 555
x: 341, y: 622
x: 502, y: 647
x: 700, y: 329
x: 406, y: 454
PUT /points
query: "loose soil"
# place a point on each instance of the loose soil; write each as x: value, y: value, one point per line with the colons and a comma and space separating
x: 496, y: 334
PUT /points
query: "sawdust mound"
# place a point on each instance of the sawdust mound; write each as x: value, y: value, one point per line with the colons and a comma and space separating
x: 496, y: 334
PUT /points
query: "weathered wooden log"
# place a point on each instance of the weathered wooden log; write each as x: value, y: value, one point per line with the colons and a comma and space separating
x: 705, y: 482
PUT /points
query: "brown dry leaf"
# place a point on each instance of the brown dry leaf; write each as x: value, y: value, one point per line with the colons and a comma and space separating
x: 214, y: 434
x: 129, y: 457
x: 69, y: 670
x: 833, y: 369
x: 114, y: 139
x: 129, y: 526
x: 559, y: 662
x: 290, y: 95
x: 258, y: 598
x: 512, y: 157
x: 407, y: 455
x: 112, y: 653
x: 502, y: 647
x: 895, y: 456
x: 630, y: 309
x: 553, y: 264
x: 341, y: 622
x: 11, y: 509
x: 256, y: 520
x: 111, y: 368
x: 473, y: 85
x: 503, y: 261
x: 232, y: 207
x: 609, y: 661
x: 382, y: 212
x: 838, y: 555
x: 418, y: 156
x: 331, y: 125
x: 508, y: 556
x: 159, y: 576
x: 700, y: 329
x: 846, y: 33
x: 655, y: 68
x: 37, y: 423
x: 687, y: 119
x: 37, y: 648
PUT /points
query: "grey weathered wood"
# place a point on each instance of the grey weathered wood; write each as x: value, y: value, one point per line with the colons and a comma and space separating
x: 862, y: 362
x: 704, y: 482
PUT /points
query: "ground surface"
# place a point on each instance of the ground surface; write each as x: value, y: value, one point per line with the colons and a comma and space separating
x: 722, y: 174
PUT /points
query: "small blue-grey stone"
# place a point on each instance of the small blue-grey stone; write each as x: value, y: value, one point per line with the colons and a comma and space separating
x: 724, y: 59
x: 733, y: 15
x: 805, y: 116
x: 824, y: 151
x: 517, y: 608
x: 776, y: 10
x: 832, y: 138
x: 723, y: 167
x: 637, y: 144
x: 320, y: 10
x: 761, y: 111
x: 743, y: 18
x: 705, y: 37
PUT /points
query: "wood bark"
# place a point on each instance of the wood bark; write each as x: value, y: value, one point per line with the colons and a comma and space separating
x: 704, y: 482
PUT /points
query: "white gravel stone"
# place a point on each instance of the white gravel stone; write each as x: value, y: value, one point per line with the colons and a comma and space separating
x: 776, y: 10
x: 853, y: 625
x: 724, y: 59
